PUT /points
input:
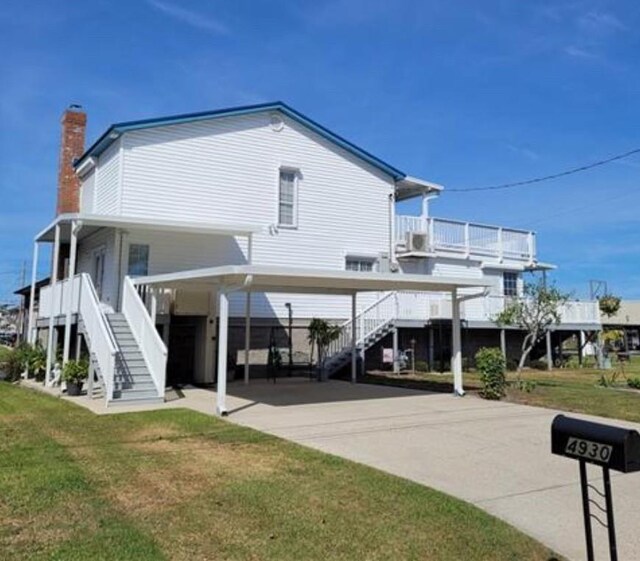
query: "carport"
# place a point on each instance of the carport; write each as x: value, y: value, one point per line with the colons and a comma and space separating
x: 270, y: 279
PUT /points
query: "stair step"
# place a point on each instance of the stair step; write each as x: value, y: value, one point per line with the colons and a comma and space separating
x: 128, y: 400
x: 136, y: 385
x: 138, y: 393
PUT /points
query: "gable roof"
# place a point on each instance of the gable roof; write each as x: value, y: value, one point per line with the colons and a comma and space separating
x: 117, y: 129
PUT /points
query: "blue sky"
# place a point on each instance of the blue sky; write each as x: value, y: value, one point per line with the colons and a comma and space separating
x: 463, y: 93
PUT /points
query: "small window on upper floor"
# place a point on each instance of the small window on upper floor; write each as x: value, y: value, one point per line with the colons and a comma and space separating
x: 288, y: 198
x: 138, y: 260
x: 364, y: 264
x: 510, y: 283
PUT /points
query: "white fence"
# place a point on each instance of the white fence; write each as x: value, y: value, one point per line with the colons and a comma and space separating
x: 468, y: 238
x: 144, y: 331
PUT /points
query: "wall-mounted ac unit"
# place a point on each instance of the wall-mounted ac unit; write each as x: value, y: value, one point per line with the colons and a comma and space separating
x: 417, y: 242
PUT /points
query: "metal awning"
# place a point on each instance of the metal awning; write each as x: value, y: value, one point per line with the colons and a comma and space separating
x: 91, y: 222
x: 260, y: 278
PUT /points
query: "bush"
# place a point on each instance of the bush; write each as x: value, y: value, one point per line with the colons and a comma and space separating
x: 422, y: 366
x: 491, y: 365
x: 538, y: 365
x: 634, y: 383
x: 512, y: 365
x: 75, y: 371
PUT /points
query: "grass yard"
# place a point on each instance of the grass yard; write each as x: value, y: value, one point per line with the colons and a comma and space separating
x: 177, y: 484
x: 565, y: 389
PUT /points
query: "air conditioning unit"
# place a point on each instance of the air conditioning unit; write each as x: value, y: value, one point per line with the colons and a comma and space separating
x: 417, y: 242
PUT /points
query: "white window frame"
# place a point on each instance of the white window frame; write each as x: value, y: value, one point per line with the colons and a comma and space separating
x: 504, y: 285
x: 132, y: 244
x: 361, y: 259
x: 296, y: 194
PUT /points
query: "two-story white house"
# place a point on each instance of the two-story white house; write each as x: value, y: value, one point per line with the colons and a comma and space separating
x: 186, y: 244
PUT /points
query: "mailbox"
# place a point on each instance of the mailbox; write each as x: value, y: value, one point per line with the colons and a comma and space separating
x: 610, y: 447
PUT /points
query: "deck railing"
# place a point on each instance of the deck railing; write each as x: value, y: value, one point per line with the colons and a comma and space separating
x: 57, y: 300
x: 468, y: 238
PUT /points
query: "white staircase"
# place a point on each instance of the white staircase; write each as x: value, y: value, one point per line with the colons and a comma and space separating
x: 132, y: 379
x: 371, y: 325
x: 127, y: 356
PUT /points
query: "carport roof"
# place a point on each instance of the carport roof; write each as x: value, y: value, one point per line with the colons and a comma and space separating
x: 259, y: 278
x: 94, y: 221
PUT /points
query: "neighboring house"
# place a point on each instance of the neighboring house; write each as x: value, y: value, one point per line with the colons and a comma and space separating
x: 198, y: 241
x: 628, y: 321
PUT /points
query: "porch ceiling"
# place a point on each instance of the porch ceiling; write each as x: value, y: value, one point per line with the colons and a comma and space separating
x: 95, y: 221
x: 258, y: 278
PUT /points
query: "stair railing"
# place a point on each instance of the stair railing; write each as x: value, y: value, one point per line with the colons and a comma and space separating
x: 98, y: 333
x: 145, y: 334
x: 368, y: 321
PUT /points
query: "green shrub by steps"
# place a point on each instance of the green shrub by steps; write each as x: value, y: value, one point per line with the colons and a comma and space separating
x: 634, y: 383
x: 491, y: 365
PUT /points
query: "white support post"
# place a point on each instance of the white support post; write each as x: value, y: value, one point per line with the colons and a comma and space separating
x: 249, y: 249
x: 363, y: 368
x: 432, y: 234
x: 247, y: 336
x: 549, y: 350
x: 153, y: 311
x: 31, y: 334
x: 456, y: 344
x: 392, y: 230
x: 223, y: 328
x: 467, y: 240
x: 69, y: 289
x: 353, y: 338
x: 396, y: 357
x: 54, y: 280
x: 503, y: 343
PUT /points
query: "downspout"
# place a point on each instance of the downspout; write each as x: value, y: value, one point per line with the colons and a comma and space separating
x: 392, y: 244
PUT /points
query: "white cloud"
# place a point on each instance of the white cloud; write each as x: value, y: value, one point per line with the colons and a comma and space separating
x: 189, y: 17
x: 579, y: 52
x: 600, y: 22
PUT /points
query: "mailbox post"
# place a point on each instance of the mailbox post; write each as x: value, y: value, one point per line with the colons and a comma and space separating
x: 602, y: 445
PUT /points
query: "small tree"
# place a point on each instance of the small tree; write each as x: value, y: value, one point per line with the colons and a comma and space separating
x: 535, y: 312
x: 321, y: 335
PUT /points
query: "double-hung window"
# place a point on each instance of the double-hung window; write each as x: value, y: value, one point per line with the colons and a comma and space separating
x: 510, y: 284
x: 287, y: 198
x: 138, y: 260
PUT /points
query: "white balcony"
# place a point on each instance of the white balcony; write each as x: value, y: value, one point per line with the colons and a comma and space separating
x: 420, y: 306
x: 467, y: 238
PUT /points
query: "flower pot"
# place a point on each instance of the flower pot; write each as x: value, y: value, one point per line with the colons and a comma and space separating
x: 74, y: 388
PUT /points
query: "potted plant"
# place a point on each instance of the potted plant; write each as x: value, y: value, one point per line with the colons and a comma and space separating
x: 74, y: 374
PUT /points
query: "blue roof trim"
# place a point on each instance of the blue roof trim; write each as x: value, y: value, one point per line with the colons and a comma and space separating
x: 115, y: 130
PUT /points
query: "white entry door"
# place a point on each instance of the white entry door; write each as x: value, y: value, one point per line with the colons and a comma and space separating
x: 98, y: 270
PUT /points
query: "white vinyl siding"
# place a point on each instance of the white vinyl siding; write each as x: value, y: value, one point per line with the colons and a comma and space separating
x: 227, y: 170
x: 107, y: 188
x: 87, y: 192
x: 104, y: 238
x: 287, y: 195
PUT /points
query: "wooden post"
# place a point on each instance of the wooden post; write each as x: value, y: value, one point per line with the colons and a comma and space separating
x: 247, y: 335
x: 549, y: 350
x: 31, y: 335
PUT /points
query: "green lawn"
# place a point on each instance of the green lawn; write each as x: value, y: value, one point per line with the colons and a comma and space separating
x: 575, y: 390
x: 177, y: 484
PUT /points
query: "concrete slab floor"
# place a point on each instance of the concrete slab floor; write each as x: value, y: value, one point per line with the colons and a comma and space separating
x: 494, y: 455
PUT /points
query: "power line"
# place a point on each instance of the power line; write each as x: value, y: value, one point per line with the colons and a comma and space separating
x: 547, y: 177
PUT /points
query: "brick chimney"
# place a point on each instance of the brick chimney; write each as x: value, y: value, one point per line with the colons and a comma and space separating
x: 74, y: 123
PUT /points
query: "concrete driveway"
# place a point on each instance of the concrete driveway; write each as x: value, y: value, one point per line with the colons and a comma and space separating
x: 494, y: 455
